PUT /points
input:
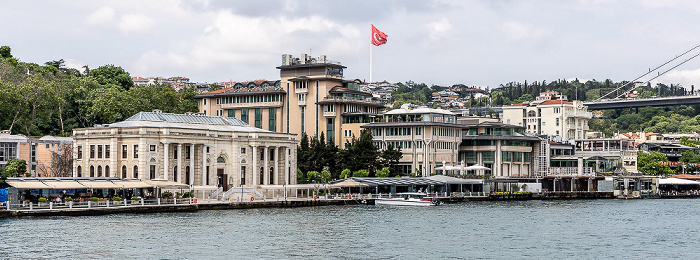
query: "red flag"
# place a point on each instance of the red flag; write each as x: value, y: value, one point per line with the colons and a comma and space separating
x: 378, y: 37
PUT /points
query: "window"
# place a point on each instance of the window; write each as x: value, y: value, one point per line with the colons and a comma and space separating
x: 231, y: 113
x: 244, y: 115
x: 175, y: 175
x: 92, y: 152
x: 123, y: 171
x: 80, y: 153
x: 92, y: 171
x: 258, y: 117
x: 125, y: 150
x: 187, y: 152
x: 99, y: 151
x: 153, y: 148
x: 242, y: 175
x: 242, y: 150
x: 99, y: 171
x: 136, y: 172
x: 302, y: 109
x: 136, y: 151
x: 152, y: 172
x: 80, y: 171
x: 106, y: 170
x: 330, y: 129
x: 347, y: 133
x: 187, y: 174
x: 272, y: 118
x: 107, y: 151
x: 557, y: 121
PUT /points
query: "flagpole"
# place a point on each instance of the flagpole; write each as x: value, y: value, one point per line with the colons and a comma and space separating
x: 370, y: 63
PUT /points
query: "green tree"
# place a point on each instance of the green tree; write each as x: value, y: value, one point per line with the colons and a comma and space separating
x: 16, y: 168
x: 383, y: 173
x: 648, y: 163
x: 325, y: 174
x: 5, y: 52
x: 391, y: 156
x: 345, y: 174
x: 112, y: 75
x: 311, y: 176
x: 360, y: 173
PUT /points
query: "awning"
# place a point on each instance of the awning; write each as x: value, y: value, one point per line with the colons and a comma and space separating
x: 453, y: 180
x: 133, y: 184
x: 166, y: 184
x: 100, y: 184
x: 59, y: 185
x: 28, y: 184
x: 348, y: 183
x: 676, y: 181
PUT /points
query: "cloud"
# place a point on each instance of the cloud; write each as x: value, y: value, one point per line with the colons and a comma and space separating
x: 521, y: 32
x: 75, y: 64
x: 684, y: 77
x: 102, y: 16
x: 135, y: 23
x: 439, y: 29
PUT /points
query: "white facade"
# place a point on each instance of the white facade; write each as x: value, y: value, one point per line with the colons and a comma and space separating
x: 186, y: 148
x: 551, y: 117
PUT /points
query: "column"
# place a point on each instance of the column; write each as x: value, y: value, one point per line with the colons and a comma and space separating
x: 204, y: 164
x: 277, y: 156
x: 255, y: 165
x: 166, y: 160
x: 286, y: 166
x: 191, y: 165
x: 179, y: 163
x: 266, y: 172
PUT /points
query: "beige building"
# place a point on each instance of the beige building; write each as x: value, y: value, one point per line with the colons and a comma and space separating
x: 311, y: 97
x: 506, y: 149
x: 47, y: 156
x: 207, y: 152
x: 428, y: 138
x: 569, y: 120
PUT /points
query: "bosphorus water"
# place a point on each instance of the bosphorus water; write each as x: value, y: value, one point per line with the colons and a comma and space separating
x: 569, y: 229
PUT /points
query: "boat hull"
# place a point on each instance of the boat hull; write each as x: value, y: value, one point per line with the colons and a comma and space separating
x: 403, y: 202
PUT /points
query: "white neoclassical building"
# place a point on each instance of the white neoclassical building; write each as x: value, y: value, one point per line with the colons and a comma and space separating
x: 205, y: 152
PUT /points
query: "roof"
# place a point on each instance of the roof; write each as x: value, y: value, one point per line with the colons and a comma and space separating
x: 453, y: 180
x: 189, y: 121
x: 685, y: 176
x: 89, y: 182
x: 676, y: 181
x: 397, y: 181
x: 411, y: 123
x: 420, y: 110
x: 541, y: 103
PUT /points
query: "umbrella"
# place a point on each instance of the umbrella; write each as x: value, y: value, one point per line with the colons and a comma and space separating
x: 477, y: 167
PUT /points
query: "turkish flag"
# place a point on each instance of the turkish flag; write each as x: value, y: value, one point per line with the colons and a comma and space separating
x: 378, y: 37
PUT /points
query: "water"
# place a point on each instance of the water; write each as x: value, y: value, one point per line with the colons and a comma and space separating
x: 567, y: 229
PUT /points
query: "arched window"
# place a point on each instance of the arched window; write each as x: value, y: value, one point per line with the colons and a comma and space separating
x: 92, y: 171
x: 99, y: 170
x: 272, y: 175
x: 136, y: 171
x: 187, y: 175
x: 220, y: 160
x: 262, y: 175
x: 531, y: 113
x: 123, y: 171
x: 175, y: 174
x: 106, y: 170
x: 80, y: 171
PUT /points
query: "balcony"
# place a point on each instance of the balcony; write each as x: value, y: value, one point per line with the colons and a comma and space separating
x: 352, y: 100
x: 301, y: 102
x: 571, y: 171
x: 329, y: 114
x: 301, y: 90
x: 579, y: 114
x: 252, y: 104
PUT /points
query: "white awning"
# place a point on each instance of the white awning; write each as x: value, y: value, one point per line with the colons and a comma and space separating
x: 676, y: 181
x: 28, y: 184
x: 100, y: 185
x: 166, y: 184
x: 133, y: 184
x: 64, y: 185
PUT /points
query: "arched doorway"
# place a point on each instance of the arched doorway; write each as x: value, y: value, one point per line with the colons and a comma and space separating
x: 80, y: 171
x: 221, y: 178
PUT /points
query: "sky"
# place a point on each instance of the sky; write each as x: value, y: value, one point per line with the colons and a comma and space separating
x: 476, y: 43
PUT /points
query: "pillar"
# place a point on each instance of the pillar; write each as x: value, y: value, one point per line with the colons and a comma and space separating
x: 179, y: 163
x: 255, y: 165
x: 277, y: 156
x: 266, y: 160
x: 286, y: 166
x: 191, y: 165
x: 166, y: 160
x: 204, y: 164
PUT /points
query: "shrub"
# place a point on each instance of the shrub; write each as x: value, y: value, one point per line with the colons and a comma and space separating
x: 134, y: 198
x: 42, y: 199
x: 360, y: 173
x: 345, y: 174
x: 311, y: 175
x: 117, y: 198
x: 383, y: 173
x: 166, y: 195
x: 94, y: 199
x: 187, y: 195
x: 69, y: 199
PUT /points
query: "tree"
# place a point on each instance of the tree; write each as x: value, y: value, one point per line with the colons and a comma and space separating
x: 383, y: 173
x: 112, y: 75
x: 311, y: 176
x: 391, y: 156
x: 648, y: 162
x: 360, y: 173
x: 325, y: 174
x: 345, y: 174
x: 5, y: 52
x: 16, y: 168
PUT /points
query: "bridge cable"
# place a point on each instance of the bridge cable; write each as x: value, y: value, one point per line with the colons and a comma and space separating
x: 650, y: 71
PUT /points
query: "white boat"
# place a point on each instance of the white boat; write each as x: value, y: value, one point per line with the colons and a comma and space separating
x: 409, y: 199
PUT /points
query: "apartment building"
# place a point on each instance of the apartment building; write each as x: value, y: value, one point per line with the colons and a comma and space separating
x: 569, y: 120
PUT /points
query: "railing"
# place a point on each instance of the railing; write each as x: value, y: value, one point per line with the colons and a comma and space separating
x: 584, y: 114
x: 352, y: 99
x: 216, y: 193
x: 253, y: 104
x: 329, y: 113
x: 240, y: 190
x: 569, y: 171
x: 301, y: 102
x: 98, y: 204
